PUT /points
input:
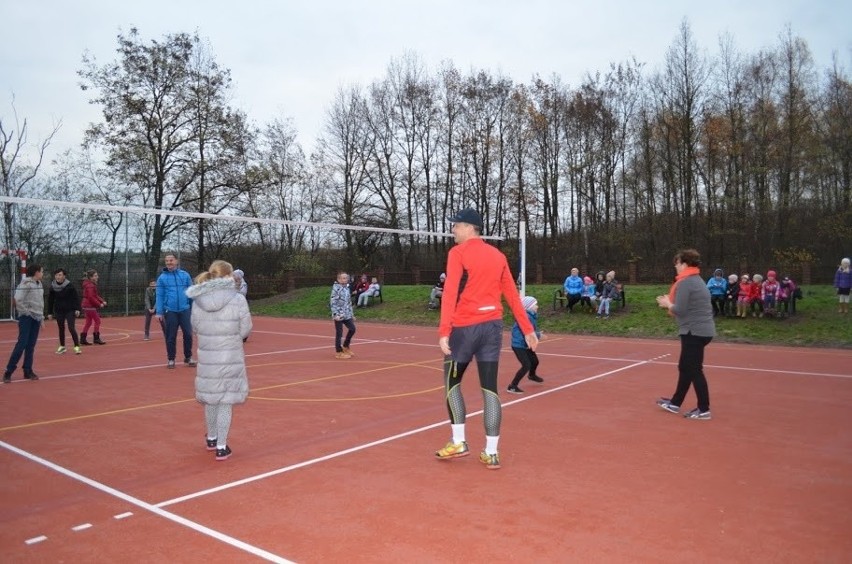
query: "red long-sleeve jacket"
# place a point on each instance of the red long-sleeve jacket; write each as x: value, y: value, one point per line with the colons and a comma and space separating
x: 91, y: 298
x: 477, y: 275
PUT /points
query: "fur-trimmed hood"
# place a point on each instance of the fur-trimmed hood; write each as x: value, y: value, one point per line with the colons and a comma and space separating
x: 212, y: 295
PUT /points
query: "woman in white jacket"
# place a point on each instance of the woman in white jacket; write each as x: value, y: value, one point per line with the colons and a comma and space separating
x: 221, y: 320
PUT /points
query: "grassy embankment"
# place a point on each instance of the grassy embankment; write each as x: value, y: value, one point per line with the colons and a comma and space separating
x: 817, y: 322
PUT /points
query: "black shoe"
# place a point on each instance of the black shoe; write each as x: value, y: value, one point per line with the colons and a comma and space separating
x: 189, y: 361
x: 7, y: 377
x: 514, y: 390
x: 171, y: 364
x: 536, y: 378
x: 223, y: 453
x: 30, y: 375
x: 211, y: 443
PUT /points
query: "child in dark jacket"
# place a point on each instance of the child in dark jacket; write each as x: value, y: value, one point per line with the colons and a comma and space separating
x: 731, y: 295
x: 526, y: 356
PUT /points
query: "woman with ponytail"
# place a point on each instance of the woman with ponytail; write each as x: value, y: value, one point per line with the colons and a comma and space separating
x: 688, y: 301
x: 92, y: 302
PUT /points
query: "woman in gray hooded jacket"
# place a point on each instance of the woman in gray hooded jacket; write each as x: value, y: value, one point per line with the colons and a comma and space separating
x: 221, y: 320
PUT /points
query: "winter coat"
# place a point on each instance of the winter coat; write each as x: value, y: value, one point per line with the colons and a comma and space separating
x: 150, y: 297
x: 518, y: 340
x: 62, y: 298
x: 843, y: 279
x: 717, y: 286
x: 573, y: 285
x: 171, y: 290
x: 769, y: 289
x: 91, y: 298
x: 221, y: 320
x: 610, y: 290
x: 745, y: 292
x: 340, y: 302
x: 29, y: 299
x: 786, y: 289
x: 755, y: 292
x: 733, y: 291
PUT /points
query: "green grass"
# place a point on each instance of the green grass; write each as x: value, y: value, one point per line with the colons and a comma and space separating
x: 817, y: 322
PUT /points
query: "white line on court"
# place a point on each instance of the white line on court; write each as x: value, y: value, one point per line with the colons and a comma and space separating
x: 331, y: 456
x: 123, y: 515
x: 82, y: 527
x: 236, y: 543
x: 769, y: 370
x: 35, y: 540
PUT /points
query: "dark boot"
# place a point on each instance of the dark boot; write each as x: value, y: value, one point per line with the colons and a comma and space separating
x: 97, y: 339
x: 83, y: 340
x: 30, y: 375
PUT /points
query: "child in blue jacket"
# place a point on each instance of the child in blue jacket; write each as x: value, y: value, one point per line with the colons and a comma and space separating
x: 527, y: 356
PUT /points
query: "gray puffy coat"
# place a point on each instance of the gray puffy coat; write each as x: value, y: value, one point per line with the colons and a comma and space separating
x: 221, y: 320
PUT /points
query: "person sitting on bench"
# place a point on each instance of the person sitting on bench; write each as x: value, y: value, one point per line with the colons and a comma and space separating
x: 573, y: 288
x: 372, y: 290
x: 437, y: 292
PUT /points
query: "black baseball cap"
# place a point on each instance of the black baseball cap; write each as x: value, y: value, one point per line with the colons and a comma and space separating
x: 468, y: 215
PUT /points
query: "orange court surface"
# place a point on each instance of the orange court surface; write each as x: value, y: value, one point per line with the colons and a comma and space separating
x: 103, y: 459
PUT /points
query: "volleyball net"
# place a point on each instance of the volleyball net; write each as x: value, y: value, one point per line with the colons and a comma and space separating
x: 125, y: 244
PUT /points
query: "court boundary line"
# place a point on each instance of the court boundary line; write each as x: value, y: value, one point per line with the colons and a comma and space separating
x: 331, y: 456
x: 198, y: 527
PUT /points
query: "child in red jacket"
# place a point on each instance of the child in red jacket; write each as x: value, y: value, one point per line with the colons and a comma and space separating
x: 744, y: 296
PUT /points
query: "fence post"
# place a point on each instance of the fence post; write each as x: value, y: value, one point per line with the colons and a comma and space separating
x: 806, y: 273
x: 632, y: 271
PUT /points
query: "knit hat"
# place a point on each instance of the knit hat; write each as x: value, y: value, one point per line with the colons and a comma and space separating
x: 718, y: 272
x: 443, y: 276
x: 732, y: 279
x: 771, y: 274
x: 239, y: 273
x: 587, y: 280
x: 528, y: 302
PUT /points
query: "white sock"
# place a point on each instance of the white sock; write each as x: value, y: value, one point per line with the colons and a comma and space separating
x: 491, y: 444
x: 458, y: 433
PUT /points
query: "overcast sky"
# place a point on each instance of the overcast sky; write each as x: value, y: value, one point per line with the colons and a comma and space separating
x: 288, y: 58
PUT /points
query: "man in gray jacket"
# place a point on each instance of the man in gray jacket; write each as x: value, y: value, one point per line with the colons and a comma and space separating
x: 29, y: 302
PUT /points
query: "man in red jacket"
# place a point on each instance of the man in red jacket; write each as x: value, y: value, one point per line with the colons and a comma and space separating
x: 472, y: 326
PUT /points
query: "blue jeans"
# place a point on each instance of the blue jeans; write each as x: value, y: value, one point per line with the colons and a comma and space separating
x: 175, y: 319
x: 28, y: 328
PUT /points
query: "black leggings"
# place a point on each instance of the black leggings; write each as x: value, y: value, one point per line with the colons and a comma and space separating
x: 63, y: 318
x: 691, y: 371
x: 529, y: 363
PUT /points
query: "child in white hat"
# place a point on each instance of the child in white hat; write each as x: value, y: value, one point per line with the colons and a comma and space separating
x: 526, y: 356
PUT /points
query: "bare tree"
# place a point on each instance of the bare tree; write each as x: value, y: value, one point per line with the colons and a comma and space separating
x: 17, y: 173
